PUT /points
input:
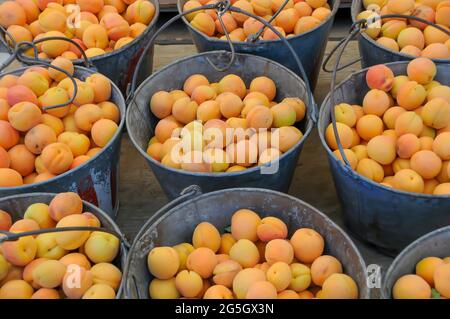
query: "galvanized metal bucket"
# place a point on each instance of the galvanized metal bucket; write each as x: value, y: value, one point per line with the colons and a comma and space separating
x: 175, y: 223
x: 97, y: 180
x: 435, y: 244
x: 141, y: 122
x: 16, y: 206
x: 119, y: 65
x: 387, y: 218
x: 310, y: 46
x: 373, y: 53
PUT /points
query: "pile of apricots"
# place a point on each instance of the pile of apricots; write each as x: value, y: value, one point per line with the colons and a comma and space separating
x: 431, y: 280
x: 400, y: 136
x: 98, y: 26
x: 223, y: 127
x: 297, y: 17
x: 254, y: 261
x: 410, y: 36
x: 36, y: 144
x: 70, y: 264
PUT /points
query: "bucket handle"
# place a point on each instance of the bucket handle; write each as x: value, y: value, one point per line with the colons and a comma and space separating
x: 16, y: 55
x: 361, y: 25
x: 357, y: 27
x: 187, y: 193
x: 220, y: 6
x: 8, y: 236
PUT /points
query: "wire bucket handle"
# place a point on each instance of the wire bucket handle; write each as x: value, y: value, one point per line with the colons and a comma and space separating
x: 223, y: 6
x: 357, y: 27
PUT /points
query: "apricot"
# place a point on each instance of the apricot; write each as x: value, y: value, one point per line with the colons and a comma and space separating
x: 252, y: 26
x: 323, y: 267
x: 245, y: 253
x: 421, y: 70
x: 5, y: 221
x: 141, y: 11
x: 391, y: 115
x: 47, y: 247
x: 203, y: 93
x: 193, y: 81
x: 429, y: 186
x: 12, y: 13
x: 54, y: 48
x: 16, y: 289
x: 243, y: 5
x: 306, y: 295
x: 99, y: 291
x: 230, y: 104
x: 21, y: 159
x: 411, y: 95
x: 376, y: 102
x: 4, y: 108
x: 76, y: 282
x: 345, y: 114
x: 10, y: 178
x: 52, y: 20
x: 279, y: 250
x: 39, y: 137
x: 229, y: 22
x: 271, y: 228
x: 203, y: 261
x: 408, y: 122
x: 411, y: 50
x: 308, y: 245
x: 436, y: 113
x: 407, y: 145
x: 45, y: 293
x: 34, y: 81
x: 389, y: 43
x: 233, y: 84
x: 244, y: 279
x: 57, y: 158
x: 55, y: 96
x: 408, y: 180
x: 188, y: 283
x: 279, y: 274
x: 426, y: 267
x: 426, y: 163
x: 92, y: 52
x: 436, y: 51
x: 9, y: 136
x: 441, y: 146
x: 136, y: 29
x: 163, y: 262
x: 442, y: 189
x: 163, y: 289
x: 86, y: 115
x: 20, y: 252
x: 392, y: 28
x: 24, y: 115
x: 204, y: 23
x: 116, y: 26
x: 71, y: 240
x: 380, y: 77
x: 96, y: 36
x: 351, y: 156
x: 301, y: 277
x: 441, y: 280
x: 206, y: 235
x: 227, y: 241
x: 218, y: 292
x: 49, y: 274
x: 65, y: 204
x: 76, y: 259
x: 225, y: 272
x: 208, y: 110
x: 370, y: 169
x: 101, y: 247
x: 339, y: 286
x: 244, y: 225
x: 345, y: 135
x: 103, y: 131
x: 305, y: 24
x: 441, y: 91
x: 411, y: 287
x: 40, y: 213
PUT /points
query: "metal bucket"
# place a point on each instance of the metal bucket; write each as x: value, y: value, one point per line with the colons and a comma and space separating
x: 387, y: 218
x: 175, y: 223
x: 309, y: 46
x: 141, y: 122
x: 16, y: 206
x: 373, y: 53
x: 97, y: 180
x: 119, y: 65
x: 436, y: 244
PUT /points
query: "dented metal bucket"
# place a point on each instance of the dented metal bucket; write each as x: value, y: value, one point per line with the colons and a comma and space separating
x: 175, y: 224
x: 434, y: 244
x: 387, y: 218
x: 309, y: 46
x: 141, y: 122
x: 97, y: 180
x: 17, y: 205
x: 373, y: 53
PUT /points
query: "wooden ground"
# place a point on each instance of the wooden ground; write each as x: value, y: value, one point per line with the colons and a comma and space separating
x: 141, y: 195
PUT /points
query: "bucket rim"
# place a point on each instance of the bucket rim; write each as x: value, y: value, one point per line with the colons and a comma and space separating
x: 122, y: 108
x: 386, y: 292
x: 325, y: 109
x: 157, y: 217
x: 92, y: 208
x: 150, y: 159
x: 355, y: 11
x: 336, y: 4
